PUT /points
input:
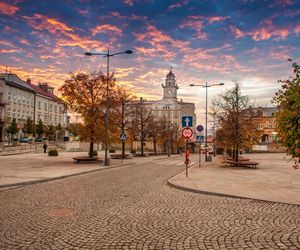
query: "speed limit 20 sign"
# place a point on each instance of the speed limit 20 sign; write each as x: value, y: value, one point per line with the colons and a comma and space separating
x: 187, y: 133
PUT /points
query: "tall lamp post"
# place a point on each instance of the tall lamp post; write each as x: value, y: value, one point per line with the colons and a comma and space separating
x: 206, y: 86
x: 107, y: 55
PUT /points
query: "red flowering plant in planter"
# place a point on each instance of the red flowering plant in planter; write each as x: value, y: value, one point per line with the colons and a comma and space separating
x: 288, y: 115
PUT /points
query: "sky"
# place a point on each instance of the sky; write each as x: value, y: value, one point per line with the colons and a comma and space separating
x: 212, y: 41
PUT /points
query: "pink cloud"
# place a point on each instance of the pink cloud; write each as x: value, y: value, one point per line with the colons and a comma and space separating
x: 237, y: 32
x: 282, y: 3
x: 8, y: 9
x: 216, y: 19
x: 106, y: 28
x: 128, y: 2
x: 162, y: 44
x: 195, y: 25
x: 267, y: 30
x: 175, y: 5
x: 62, y: 33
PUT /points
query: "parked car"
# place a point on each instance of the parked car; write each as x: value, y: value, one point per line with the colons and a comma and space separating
x: 25, y: 140
x: 39, y: 139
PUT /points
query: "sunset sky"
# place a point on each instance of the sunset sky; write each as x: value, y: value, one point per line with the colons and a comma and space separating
x: 204, y: 40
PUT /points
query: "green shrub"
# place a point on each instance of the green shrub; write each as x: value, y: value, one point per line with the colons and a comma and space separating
x: 133, y: 151
x: 53, y: 152
x: 112, y: 150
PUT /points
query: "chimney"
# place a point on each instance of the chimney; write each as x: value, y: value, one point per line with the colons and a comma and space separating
x: 28, y: 80
x: 43, y: 86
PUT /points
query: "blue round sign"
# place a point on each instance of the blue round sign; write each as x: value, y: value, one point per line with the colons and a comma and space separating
x: 200, y: 128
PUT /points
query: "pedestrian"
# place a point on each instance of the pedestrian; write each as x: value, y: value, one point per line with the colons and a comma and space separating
x: 45, y: 147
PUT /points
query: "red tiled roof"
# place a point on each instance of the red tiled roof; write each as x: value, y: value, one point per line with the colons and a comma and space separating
x: 40, y: 91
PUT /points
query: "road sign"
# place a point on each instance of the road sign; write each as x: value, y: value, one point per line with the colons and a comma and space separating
x: 200, y: 128
x: 123, y: 137
x: 187, y: 121
x: 200, y: 138
x: 187, y: 133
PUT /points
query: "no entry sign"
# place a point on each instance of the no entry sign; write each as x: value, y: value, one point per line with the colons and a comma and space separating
x: 187, y: 133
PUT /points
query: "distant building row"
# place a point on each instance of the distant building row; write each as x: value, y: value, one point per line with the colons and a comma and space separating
x: 21, y: 99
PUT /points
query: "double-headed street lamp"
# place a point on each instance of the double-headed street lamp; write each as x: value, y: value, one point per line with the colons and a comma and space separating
x: 107, y: 55
x: 206, y: 85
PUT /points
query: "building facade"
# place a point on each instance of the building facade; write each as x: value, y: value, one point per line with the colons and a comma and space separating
x: 169, y: 106
x: 21, y: 99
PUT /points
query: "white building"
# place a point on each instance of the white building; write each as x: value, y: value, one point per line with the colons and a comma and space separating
x: 169, y: 106
x: 20, y: 99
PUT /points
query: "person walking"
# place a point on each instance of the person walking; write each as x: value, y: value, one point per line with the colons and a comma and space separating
x: 45, y: 147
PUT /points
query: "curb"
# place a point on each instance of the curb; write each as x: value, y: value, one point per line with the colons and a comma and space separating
x: 192, y: 190
x: 25, y: 183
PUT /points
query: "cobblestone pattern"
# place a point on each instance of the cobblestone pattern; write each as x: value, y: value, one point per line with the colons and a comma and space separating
x: 132, y: 208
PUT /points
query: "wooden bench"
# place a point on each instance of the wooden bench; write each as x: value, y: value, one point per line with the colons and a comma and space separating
x: 86, y: 159
x: 242, y: 163
x: 119, y: 156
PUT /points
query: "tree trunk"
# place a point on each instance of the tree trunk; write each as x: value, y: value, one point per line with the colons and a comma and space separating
x: 123, y: 149
x: 154, y: 145
x: 142, y: 146
x: 91, y: 149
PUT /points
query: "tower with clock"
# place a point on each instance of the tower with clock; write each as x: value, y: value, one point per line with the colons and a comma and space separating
x: 170, y: 87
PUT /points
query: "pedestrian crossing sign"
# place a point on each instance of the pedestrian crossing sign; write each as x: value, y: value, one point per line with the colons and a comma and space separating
x: 123, y: 137
x: 200, y: 138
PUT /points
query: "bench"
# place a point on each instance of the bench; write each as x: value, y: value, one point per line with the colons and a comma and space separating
x: 86, y: 159
x: 241, y: 163
x: 119, y: 156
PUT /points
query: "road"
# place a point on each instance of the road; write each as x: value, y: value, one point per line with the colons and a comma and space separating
x: 131, y: 207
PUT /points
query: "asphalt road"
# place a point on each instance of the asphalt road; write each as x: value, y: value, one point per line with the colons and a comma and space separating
x: 132, y: 208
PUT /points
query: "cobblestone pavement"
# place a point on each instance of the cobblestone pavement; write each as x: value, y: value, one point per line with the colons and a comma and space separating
x: 132, y: 208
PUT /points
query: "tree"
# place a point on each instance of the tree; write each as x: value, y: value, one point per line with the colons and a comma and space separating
x: 288, y: 115
x: 28, y: 127
x: 40, y: 128
x: 139, y: 125
x: 235, y: 117
x: 154, y: 129
x: 58, y: 127
x: 50, y: 132
x: 13, y: 127
x: 123, y: 111
x: 85, y: 94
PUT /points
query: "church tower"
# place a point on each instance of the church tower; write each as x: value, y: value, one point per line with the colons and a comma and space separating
x: 170, y: 87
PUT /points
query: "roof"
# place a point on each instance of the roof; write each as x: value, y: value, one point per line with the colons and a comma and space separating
x: 40, y: 91
x: 14, y: 80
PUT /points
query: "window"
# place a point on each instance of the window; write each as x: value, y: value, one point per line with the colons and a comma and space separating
x: 19, y: 99
x: 50, y: 107
x: 9, y: 96
x: 14, y: 98
x: 45, y: 106
x: 27, y: 101
x: 55, y: 109
x: 24, y: 100
x: 8, y: 114
x: 270, y: 125
x: 60, y: 109
x: 39, y: 104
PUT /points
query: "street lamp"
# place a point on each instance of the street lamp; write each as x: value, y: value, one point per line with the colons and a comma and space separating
x: 206, y: 86
x: 167, y: 106
x: 107, y: 55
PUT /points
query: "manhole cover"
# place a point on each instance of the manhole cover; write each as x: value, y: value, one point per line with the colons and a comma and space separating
x: 61, y: 212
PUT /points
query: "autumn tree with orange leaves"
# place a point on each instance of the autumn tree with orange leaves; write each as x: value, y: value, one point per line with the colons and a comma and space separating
x: 85, y: 94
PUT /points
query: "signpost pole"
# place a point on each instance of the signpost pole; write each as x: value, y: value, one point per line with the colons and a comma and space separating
x: 186, y: 157
x: 199, y: 154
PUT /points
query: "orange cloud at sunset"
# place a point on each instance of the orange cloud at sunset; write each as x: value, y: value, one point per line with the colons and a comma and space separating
x: 8, y: 9
x: 105, y: 28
